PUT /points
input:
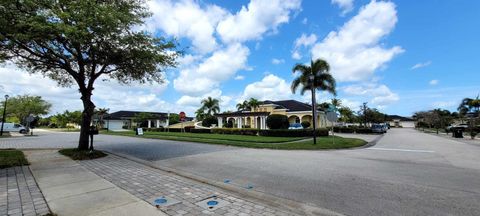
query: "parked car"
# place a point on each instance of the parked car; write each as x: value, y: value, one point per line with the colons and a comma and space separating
x: 295, y: 126
x: 379, y: 128
x: 459, y: 126
x: 13, y: 127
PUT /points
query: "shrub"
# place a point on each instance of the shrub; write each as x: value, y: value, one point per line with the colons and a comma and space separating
x: 364, y: 130
x: 236, y: 131
x: 277, y: 121
x: 188, y: 128
x: 305, y: 124
x: 293, y: 133
x: 200, y: 130
x: 209, y: 120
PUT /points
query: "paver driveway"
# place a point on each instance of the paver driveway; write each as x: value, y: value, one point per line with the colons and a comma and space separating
x: 406, y: 173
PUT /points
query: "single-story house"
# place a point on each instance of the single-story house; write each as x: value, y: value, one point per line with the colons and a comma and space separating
x: 122, y: 120
x: 296, y: 112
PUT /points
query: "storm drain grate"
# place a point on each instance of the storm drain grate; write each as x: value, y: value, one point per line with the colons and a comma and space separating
x: 164, y: 201
x: 212, y: 203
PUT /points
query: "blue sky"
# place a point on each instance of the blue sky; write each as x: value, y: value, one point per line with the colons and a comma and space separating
x: 399, y: 56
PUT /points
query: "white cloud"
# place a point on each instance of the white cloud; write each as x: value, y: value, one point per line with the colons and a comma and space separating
x: 186, y: 19
x: 433, y: 82
x: 303, y: 41
x: 305, y: 21
x: 355, y: 51
x: 125, y: 97
x: 239, y: 77
x: 277, y: 61
x: 296, y: 55
x: 220, y: 66
x: 421, y: 65
x: 256, y: 19
x: 378, y: 94
x: 345, y: 5
x: 271, y: 87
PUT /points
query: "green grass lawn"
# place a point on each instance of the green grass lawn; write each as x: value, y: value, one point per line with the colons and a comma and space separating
x: 253, y: 141
x: 62, y: 129
x: 11, y: 158
x: 76, y: 154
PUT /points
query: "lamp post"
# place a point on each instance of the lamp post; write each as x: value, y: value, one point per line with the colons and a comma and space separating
x: 314, y: 108
x: 4, y: 112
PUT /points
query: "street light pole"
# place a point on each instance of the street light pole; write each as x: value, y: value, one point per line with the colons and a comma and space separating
x: 4, y: 112
x: 314, y: 108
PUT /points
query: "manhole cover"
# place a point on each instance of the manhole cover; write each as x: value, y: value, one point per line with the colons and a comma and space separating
x: 212, y: 203
x: 164, y: 201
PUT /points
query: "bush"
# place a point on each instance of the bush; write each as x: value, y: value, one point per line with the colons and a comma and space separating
x: 294, y: 133
x: 209, y: 120
x: 343, y: 130
x: 277, y: 121
x: 236, y: 131
x: 194, y: 130
x: 364, y: 130
x: 188, y: 128
x: 305, y: 124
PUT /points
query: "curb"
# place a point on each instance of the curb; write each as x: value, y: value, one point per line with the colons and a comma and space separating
x: 277, y: 202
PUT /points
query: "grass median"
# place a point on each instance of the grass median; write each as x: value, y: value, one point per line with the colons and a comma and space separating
x: 286, y: 143
x: 11, y: 158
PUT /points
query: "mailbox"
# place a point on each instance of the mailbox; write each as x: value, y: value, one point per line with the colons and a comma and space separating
x: 93, y: 130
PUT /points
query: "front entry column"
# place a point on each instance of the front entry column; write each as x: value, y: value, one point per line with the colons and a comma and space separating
x: 239, y: 122
x: 220, y: 122
x: 158, y: 123
x: 149, y: 124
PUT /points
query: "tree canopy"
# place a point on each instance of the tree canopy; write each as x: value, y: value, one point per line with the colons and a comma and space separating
x: 77, y: 42
x: 20, y: 107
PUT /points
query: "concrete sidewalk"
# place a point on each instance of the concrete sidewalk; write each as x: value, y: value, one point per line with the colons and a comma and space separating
x: 70, y: 189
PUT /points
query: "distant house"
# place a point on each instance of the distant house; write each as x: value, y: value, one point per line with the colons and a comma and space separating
x: 400, y: 121
x: 296, y: 112
x: 122, y: 120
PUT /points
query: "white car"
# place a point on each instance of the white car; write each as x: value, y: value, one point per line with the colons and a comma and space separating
x: 14, y: 127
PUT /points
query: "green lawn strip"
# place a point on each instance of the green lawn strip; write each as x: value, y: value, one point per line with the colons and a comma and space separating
x: 322, y: 142
x: 11, y: 158
x: 76, y: 154
x: 226, y: 137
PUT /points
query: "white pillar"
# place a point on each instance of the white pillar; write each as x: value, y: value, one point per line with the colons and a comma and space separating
x: 254, y: 122
x: 158, y: 123
x: 149, y: 124
x: 239, y: 122
x: 262, y: 123
x: 220, y: 122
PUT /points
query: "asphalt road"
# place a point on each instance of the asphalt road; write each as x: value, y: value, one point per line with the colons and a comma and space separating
x: 406, y: 173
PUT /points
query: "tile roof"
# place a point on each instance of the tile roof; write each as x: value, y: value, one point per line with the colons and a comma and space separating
x: 290, y: 105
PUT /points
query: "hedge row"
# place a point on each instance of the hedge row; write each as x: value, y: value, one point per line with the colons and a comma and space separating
x: 294, y: 133
x: 248, y: 131
x: 352, y: 130
x: 236, y: 131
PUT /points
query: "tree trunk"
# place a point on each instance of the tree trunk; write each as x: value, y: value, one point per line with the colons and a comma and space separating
x: 88, y: 109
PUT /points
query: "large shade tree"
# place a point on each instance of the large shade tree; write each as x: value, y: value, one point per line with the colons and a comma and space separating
x: 80, y: 42
x: 315, y: 76
x: 22, y: 106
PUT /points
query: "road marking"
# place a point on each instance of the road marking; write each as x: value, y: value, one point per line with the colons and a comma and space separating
x: 404, y: 150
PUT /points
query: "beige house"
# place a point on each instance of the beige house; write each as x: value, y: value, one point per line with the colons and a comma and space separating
x: 296, y: 112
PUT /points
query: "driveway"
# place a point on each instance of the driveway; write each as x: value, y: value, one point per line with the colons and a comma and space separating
x: 406, y: 173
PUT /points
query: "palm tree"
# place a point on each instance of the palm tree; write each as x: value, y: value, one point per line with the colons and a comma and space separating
x: 210, y: 105
x: 337, y: 103
x: 314, y: 77
x: 200, y: 114
x: 253, y: 103
x: 242, y: 106
x: 101, y: 112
